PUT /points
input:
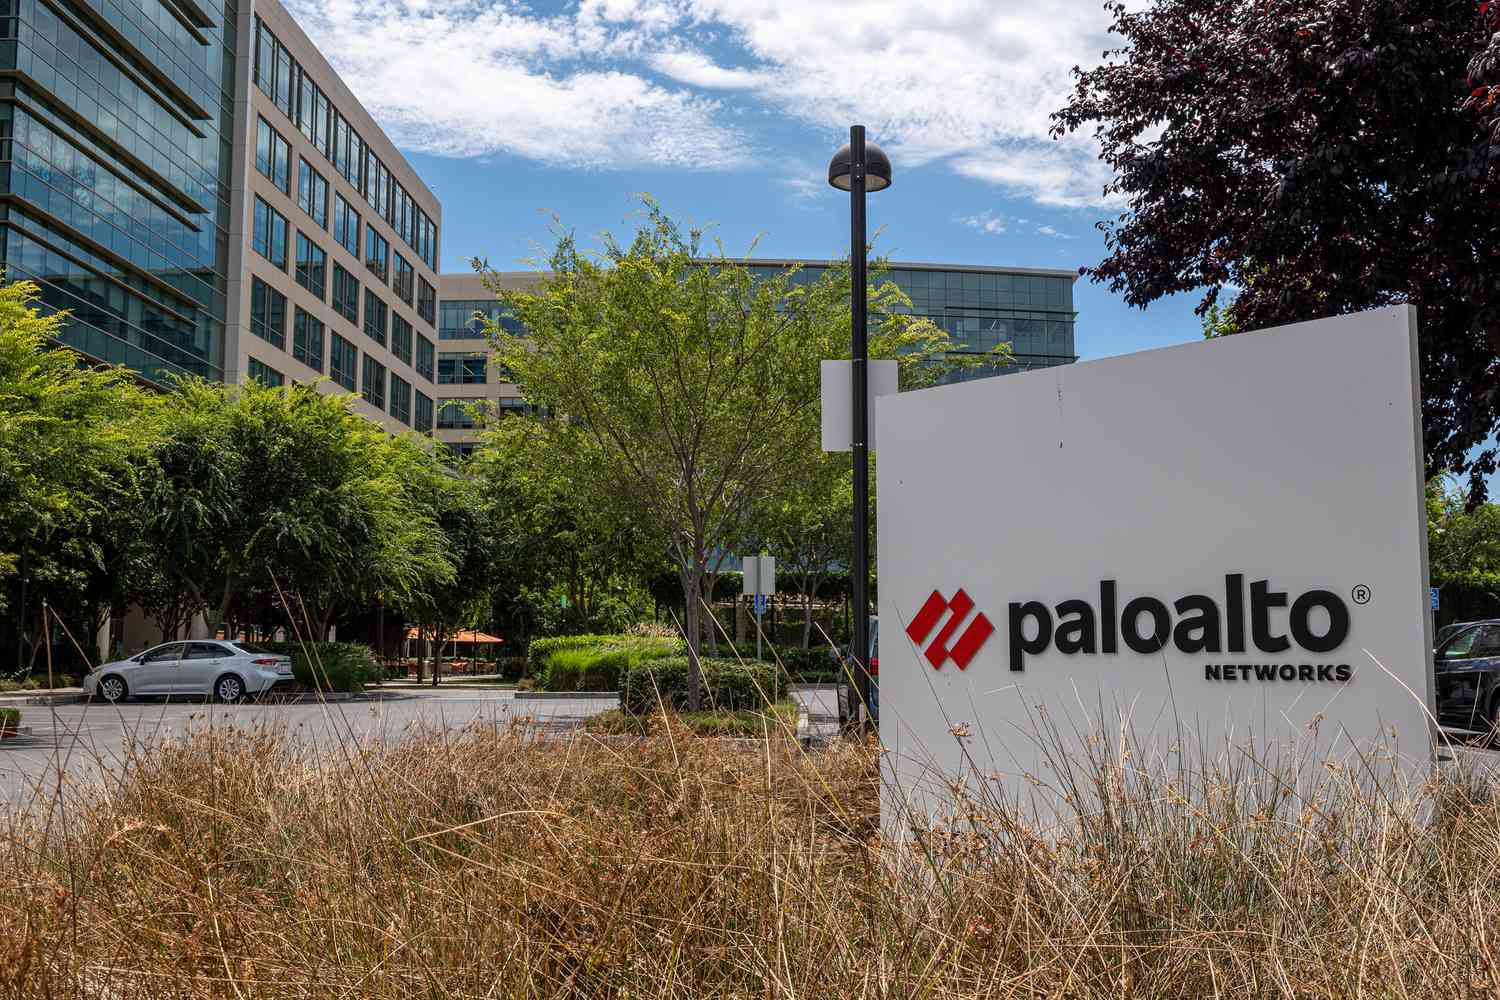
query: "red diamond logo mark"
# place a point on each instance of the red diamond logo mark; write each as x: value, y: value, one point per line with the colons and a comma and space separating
x: 938, y: 652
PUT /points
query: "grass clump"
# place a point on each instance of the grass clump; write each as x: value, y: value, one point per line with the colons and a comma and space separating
x: 777, y: 720
x: 507, y: 864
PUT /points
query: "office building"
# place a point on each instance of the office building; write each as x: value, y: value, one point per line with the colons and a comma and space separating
x: 206, y: 197
x: 1030, y: 309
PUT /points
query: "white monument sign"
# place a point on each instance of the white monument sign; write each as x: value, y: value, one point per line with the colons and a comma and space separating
x: 1218, y: 539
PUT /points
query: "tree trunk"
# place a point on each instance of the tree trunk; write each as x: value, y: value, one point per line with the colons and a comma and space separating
x: 807, y: 603
x: 692, y: 587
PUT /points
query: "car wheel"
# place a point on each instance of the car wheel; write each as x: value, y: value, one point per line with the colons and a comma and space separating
x: 112, y: 688
x: 229, y: 689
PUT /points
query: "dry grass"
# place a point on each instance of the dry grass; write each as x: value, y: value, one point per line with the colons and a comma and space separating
x: 499, y: 865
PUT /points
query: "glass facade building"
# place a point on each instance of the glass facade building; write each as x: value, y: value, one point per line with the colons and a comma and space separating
x: 116, y: 155
x: 189, y: 178
x: 979, y: 308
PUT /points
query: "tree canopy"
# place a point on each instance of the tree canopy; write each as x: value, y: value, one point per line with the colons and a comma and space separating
x: 696, y: 380
x: 1319, y: 157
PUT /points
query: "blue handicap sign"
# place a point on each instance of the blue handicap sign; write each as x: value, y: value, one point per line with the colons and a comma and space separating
x: 1433, y: 594
x: 760, y: 604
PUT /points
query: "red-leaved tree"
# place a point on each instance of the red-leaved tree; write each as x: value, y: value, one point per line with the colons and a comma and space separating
x: 1320, y: 157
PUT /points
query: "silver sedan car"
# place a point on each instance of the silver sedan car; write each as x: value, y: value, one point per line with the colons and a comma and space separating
x: 224, y: 671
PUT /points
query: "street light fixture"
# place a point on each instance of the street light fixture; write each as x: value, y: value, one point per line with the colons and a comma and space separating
x: 858, y: 168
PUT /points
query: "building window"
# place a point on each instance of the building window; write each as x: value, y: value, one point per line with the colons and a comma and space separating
x: 356, y: 174
x: 283, y: 80
x: 428, y: 249
x: 343, y: 358
x: 265, y: 60
x: 345, y: 294
x: 401, y: 337
x: 457, y: 415
x: 422, y: 414
x: 375, y: 317
x: 515, y: 406
x: 346, y: 225
x: 307, y: 339
x: 401, y: 399
x: 269, y: 237
x: 461, y: 450
x: 425, y: 355
x: 322, y: 129
x: 273, y: 155
x: 312, y: 266
x: 377, y: 254
x: 307, y: 104
x: 265, y: 374
x: 373, y: 388
x: 312, y: 193
x: 461, y: 369
x: 406, y: 280
x: 426, y: 301
x: 267, y: 313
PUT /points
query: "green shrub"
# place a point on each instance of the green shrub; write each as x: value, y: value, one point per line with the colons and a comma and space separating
x: 330, y: 666
x: 809, y: 666
x: 9, y: 717
x: 727, y: 684
x: 541, y: 649
x: 601, y: 663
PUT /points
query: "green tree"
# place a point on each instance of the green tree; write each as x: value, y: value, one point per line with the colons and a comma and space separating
x: 72, y: 440
x: 808, y: 525
x: 697, y: 381
x: 557, y: 533
x: 288, y: 491
x: 1463, y: 545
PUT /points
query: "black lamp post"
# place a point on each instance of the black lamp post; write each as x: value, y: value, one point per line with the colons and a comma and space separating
x: 858, y: 168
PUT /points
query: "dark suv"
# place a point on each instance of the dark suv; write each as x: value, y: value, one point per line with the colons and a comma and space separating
x: 1467, y: 672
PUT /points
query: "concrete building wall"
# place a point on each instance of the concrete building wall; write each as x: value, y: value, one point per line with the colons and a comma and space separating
x: 243, y: 346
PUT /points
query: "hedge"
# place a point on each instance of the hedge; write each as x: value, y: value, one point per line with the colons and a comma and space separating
x: 727, y: 684
x: 808, y: 666
x: 600, y: 663
x: 330, y: 666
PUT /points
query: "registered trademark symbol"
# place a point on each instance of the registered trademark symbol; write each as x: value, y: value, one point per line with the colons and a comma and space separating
x: 1361, y: 594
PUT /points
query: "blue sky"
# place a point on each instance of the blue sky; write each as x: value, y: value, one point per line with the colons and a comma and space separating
x: 727, y: 113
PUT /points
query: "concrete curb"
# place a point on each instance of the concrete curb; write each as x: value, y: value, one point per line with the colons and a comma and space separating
x: 564, y: 695
x: 13, y: 700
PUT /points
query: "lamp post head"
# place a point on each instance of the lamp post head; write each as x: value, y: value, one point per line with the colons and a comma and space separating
x: 877, y: 168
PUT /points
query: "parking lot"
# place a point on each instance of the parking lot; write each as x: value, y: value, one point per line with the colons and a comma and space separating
x: 84, y: 742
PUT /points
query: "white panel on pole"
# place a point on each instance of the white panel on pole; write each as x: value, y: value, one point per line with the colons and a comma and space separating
x: 882, y: 379
x: 758, y: 575
x: 1216, y: 542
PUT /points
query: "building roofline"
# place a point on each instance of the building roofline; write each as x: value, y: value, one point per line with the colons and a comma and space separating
x: 1035, y: 272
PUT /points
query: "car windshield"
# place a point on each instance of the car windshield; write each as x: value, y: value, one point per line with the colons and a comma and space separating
x: 255, y: 650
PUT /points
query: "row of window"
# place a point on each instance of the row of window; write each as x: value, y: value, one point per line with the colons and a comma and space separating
x: 268, y: 318
x: 382, y: 389
x: 273, y: 159
x: 311, y: 272
x: 286, y: 83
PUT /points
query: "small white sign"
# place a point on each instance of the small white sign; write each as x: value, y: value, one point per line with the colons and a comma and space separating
x: 758, y: 575
x: 1211, y: 544
x: 882, y: 379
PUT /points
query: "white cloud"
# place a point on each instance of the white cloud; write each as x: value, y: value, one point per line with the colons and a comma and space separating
x: 966, y: 83
x: 1064, y: 174
x: 1052, y: 232
x: 447, y: 77
x: 986, y: 222
x: 698, y: 70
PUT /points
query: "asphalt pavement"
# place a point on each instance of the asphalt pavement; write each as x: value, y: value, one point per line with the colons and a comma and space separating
x: 89, y: 742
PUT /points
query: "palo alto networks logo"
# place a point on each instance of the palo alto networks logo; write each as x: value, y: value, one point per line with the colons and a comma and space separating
x: 938, y: 651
